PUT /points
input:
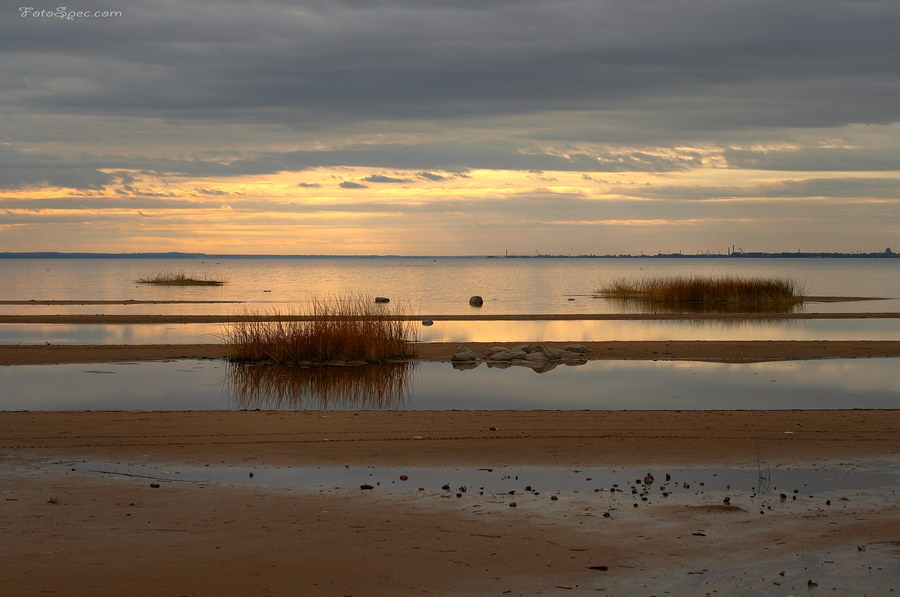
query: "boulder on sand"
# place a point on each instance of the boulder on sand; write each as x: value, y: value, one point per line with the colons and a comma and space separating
x: 464, y: 354
x: 476, y: 301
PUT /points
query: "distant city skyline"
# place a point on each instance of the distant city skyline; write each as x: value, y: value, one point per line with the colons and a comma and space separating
x: 433, y: 127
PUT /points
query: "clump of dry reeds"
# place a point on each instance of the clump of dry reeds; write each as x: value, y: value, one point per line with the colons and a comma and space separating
x: 178, y: 279
x: 705, y: 290
x: 381, y: 386
x: 352, y: 328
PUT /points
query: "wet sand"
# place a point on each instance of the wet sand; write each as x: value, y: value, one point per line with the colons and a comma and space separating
x: 158, y: 319
x: 118, y: 535
x: 738, y: 351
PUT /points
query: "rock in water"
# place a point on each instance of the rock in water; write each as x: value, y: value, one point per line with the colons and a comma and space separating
x: 476, y: 301
x: 463, y: 353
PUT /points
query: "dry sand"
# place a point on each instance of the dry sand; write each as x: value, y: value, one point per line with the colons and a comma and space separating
x: 69, y: 533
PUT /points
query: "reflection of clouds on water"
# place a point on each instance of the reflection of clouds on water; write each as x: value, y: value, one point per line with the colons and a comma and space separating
x: 335, y: 387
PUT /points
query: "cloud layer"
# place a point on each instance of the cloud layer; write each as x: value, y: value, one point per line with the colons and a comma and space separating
x: 432, y: 100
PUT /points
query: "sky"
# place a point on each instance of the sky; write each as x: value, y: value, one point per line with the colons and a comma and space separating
x: 450, y: 127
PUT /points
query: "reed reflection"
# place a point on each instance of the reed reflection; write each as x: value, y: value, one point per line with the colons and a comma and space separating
x: 382, y: 386
x: 636, y: 305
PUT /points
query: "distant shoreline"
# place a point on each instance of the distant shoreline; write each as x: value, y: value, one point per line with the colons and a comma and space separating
x: 887, y: 254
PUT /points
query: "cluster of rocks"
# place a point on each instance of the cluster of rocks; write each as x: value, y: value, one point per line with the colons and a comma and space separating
x: 536, y: 356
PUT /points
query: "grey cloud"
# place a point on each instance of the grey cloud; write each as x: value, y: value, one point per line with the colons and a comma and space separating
x: 352, y: 185
x: 836, y: 188
x: 309, y: 185
x: 816, y: 159
x: 382, y: 178
x: 20, y: 169
x: 431, y: 176
x: 83, y: 172
x: 699, y: 63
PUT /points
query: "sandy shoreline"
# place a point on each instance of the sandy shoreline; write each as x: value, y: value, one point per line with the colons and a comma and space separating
x: 75, y: 534
x: 160, y: 319
x: 738, y: 351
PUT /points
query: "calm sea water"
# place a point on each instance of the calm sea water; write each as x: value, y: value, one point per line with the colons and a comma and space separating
x: 596, y: 385
x: 425, y: 285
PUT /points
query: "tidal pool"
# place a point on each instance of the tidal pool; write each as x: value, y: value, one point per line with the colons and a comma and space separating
x: 595, y: 385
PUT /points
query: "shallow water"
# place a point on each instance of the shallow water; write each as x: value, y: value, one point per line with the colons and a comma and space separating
x: 596, y: 385
x: 423, y: 285
x: 487, y: 331
x: 531, y: 481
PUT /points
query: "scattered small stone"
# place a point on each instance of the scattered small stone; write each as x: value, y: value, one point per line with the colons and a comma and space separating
x: 827, y: 502
x: 403, y: 477
x: 492, y: 429
x: 812, y: 583
x: 382, y: 299
x: 607, y: 515
x: 445, y: 487
x: 648, y: 479
x: 154, y: 485
x: 476, y: 301
x: 251, y: 474
x: 726, y: 501
x: 512, y: 504
x: 699, y: 534
x: 427, y: 322
x: 598, y: 567
x: 553, y: 498
x: 366, y: 486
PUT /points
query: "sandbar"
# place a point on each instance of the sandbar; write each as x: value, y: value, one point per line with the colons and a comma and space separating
x: 706, y: 350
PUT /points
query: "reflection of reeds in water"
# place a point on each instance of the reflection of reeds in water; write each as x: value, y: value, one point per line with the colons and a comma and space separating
x: 698, y: 294
x: 639, y: 305
x: 319, y: 387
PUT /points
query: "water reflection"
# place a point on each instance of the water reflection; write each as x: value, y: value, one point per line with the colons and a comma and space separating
x: 637, y: 305
x: 334, y: 387
x: 490, y: 331
x: 604, y: 385
x: 536, y: 366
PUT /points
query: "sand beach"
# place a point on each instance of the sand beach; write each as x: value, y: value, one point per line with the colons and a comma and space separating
x: 78, y: 520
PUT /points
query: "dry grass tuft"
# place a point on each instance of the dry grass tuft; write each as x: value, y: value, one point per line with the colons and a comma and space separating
x: 697, y: 290
x: 351, y: 328
x: 178, y: 279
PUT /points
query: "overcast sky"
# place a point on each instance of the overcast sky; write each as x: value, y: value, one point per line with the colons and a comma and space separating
x: 451, y: 126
